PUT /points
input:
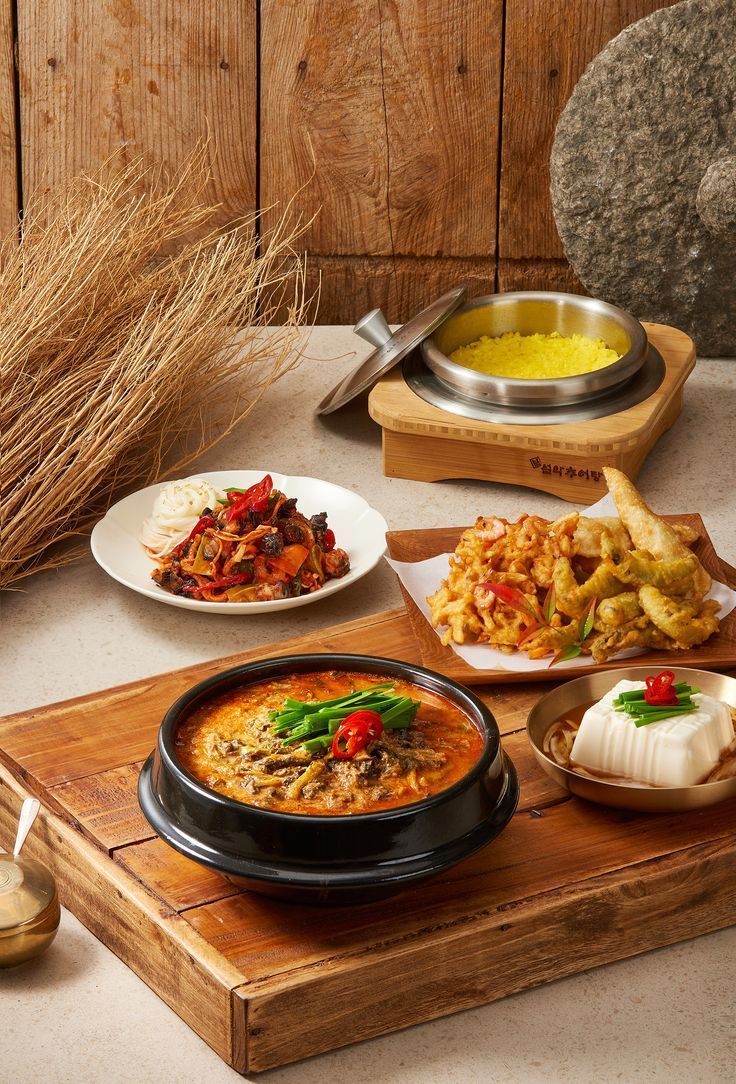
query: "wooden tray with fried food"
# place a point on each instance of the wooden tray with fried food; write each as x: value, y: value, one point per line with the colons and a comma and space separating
x: 717, y: 653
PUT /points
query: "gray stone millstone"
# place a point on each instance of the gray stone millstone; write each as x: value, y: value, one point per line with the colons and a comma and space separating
x: 643, y: 172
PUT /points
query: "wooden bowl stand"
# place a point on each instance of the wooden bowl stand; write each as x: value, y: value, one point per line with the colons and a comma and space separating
x: 426, y: 443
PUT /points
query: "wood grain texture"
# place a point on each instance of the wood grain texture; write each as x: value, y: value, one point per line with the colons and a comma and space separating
x: 105, y: 806
x: 140, y: 77
x: 717, y: 653
x: 538, y: 275
x: 8, y: 134
x: 574, y: 475
x: 548, y: 45
x: 566, y: 886
x: 386, y: 111
x: 160, y: 947
x: 569, y: 844
x: 674, y: 899
x: 425, y: 442
x: 401, y: 286
x: 176, y: 880
x: 380, y: 117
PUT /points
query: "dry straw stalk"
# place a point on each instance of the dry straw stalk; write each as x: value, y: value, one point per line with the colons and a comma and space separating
x: 120, y: 364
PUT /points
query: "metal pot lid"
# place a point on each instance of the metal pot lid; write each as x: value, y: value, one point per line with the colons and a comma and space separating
x: 391, y: 347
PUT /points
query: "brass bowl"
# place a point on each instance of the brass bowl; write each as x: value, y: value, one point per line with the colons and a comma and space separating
x: 29, y: 909
x: 529, y: 313
x: 585, y: 690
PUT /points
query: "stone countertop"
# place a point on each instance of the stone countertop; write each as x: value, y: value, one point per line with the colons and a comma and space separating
x: 79, y: 1015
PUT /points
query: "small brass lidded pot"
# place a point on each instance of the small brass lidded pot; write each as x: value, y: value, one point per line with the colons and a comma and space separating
x: 29, y: 904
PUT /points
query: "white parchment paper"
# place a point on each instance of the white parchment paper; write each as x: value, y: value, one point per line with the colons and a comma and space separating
x: 422, y: 578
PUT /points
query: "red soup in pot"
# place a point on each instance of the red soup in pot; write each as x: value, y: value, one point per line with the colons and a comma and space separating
x: 231, y: 745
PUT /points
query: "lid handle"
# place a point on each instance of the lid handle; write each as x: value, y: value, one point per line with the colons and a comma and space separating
x: 373, y: 328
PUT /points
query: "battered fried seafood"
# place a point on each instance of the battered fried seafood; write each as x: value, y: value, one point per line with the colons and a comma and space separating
x: 687, y: 621
x: 577, y: 585
x: 649, y: 532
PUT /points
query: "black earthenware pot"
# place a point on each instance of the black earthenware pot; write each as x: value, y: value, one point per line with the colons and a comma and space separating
x: 328, y: 859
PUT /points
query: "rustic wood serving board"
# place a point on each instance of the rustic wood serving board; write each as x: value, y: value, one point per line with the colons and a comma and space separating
x: 717, y: 653
x: 425, y: 442
x: 567, y: 885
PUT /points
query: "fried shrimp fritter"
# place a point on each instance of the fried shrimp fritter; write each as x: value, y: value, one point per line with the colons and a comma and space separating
x: 683, y: 620
x: 528, y: 586
x: 520, y: 555
x: 592, y: 534
x: 648, y: 531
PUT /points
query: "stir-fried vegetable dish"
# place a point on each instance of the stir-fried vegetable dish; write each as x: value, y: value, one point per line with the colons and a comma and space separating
x: 253, y: 546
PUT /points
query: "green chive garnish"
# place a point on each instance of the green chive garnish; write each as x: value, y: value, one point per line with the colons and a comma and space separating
x: 315, y: 722
x: 634, y: 704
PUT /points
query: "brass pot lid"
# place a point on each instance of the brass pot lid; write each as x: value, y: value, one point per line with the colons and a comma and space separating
x: 391, y: 347
x: 26, y: 889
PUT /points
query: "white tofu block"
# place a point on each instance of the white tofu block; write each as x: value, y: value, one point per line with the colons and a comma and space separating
x: 675, y: 752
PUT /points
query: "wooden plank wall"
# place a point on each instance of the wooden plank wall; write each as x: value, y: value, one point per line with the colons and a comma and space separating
x: 418, y: 132
x: 148, y: 76
x: 394, y: 105
x: 8, y: 160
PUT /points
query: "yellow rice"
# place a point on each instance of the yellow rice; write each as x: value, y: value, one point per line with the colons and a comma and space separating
x: 535, y: 357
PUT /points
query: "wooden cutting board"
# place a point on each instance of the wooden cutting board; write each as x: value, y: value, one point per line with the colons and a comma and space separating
x: 718, y: 653
x: 567, y: 886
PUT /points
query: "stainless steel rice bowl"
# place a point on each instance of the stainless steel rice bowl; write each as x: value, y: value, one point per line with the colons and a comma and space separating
x: 536, y: 313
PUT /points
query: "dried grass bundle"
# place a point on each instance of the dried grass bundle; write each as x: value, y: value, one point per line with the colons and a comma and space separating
x: 121, y: 364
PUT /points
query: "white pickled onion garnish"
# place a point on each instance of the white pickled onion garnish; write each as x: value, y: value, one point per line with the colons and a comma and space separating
x: 175, y: 511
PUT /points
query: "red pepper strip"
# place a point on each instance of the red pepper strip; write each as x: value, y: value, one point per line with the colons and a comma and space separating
x: 659, y: 689
x: 356, y: 732
x: 254, y: 499
x: 201, y: 525
x: 328, y: 542
x: 217, y: 585
x: 516, y: 600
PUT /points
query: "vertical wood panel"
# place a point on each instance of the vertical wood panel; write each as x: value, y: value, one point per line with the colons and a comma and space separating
x: 385, y: 111
x: 394, y: 106
x: 150, y: 76
x: 548, y: 44
x: 8, y: 135
x: 400, y: 285
x: 538, y: 275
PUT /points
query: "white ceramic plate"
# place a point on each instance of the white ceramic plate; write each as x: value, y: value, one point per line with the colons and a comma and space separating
x: 359, y: 529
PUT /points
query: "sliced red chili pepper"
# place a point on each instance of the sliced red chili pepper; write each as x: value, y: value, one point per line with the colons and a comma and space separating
x: 218, y: 585
x: 201, y: 525
x: 365, y: 717
x: 347, y: 743
x: 659, y: 689
x: 355, y: 732
x: 328, y: 542
x: 254, y: 499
